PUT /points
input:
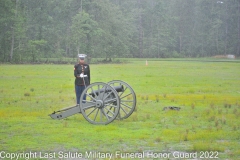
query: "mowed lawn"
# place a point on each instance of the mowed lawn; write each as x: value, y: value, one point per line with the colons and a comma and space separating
x: 208, y: 94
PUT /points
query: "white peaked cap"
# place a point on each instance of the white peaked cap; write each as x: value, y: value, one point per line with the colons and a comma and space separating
x: 82, y: 55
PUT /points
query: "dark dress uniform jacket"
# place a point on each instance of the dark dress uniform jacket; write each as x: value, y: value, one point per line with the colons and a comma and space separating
x: 82, y: 68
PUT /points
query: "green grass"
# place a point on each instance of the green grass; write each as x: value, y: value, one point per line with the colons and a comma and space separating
x: 207, y: 92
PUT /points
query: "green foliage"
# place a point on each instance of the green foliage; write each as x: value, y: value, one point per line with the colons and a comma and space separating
x: 35, y: 48
x: 83, y: 30
x: 121, y: 28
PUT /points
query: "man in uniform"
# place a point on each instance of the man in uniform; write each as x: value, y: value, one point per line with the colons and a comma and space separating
x: 82, y: 77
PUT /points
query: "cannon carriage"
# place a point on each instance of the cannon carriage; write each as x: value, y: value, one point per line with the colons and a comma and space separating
x: 101, y: 103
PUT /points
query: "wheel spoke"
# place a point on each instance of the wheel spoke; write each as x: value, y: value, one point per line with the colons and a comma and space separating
x: 100, y: 115
x: 91, y: 112
x: 88, y: 107
x: 112, y: 105
x: 126, y: 106
x: 119, y: 114
x: 91, y: 97
x: 94, y: 92
x: 98, y: 89
x: 123, y: 110
x: 105, y: 87
x: 105, y: 114
x: 109, y: 110
x: 88, y: 101
x: 111, y: 100
x: 126, y: 100
x: 126, y: 95
x: 107, y: 95
x: 96, y: 115
x: 123, y: 91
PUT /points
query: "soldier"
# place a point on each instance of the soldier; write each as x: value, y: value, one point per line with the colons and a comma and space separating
x: 82, y: 77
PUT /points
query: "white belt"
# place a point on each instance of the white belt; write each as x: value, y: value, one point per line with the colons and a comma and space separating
x: 82, y: 75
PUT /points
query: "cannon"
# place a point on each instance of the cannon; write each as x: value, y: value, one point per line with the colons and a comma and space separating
x: 101, y: 103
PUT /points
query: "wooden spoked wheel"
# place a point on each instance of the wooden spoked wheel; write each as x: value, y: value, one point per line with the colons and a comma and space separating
x: 100, y: 103
x: 127, y: 99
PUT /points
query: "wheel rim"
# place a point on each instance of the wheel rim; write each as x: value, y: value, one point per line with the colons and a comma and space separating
x: 127, y: 99
x: 100, y: 107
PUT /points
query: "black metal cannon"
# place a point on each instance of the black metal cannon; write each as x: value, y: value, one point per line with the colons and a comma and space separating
x: 104, y: 103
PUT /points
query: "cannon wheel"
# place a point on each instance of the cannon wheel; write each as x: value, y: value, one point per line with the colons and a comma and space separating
x: 127, y: 99
x: 99, y: 108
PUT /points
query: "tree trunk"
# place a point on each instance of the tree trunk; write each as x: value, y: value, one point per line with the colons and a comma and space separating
x: 180, y: 42
x: 13, y: 36
x: 88, y: 51
x: 226, y: 31
x: 217, y: 42
x: 81, y: 7
x: 12, y: 44
x: 238, y: 52
x: 5, y: 56
x: 140, y: 30
x: 78, y: 49
x: 68, y: 39
x: 158, y: 41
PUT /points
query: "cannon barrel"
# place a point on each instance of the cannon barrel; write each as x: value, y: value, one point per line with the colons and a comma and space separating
x: 117, y: 88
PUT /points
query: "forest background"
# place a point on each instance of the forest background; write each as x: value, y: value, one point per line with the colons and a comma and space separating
x: 35, y: 29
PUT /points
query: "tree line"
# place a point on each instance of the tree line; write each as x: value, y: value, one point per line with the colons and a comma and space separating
x: 34, y: 29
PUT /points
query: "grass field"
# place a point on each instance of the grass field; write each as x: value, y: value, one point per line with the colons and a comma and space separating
x: 207, y: 92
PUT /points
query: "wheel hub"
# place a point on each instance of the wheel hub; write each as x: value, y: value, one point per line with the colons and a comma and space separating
x: 99, y: 104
